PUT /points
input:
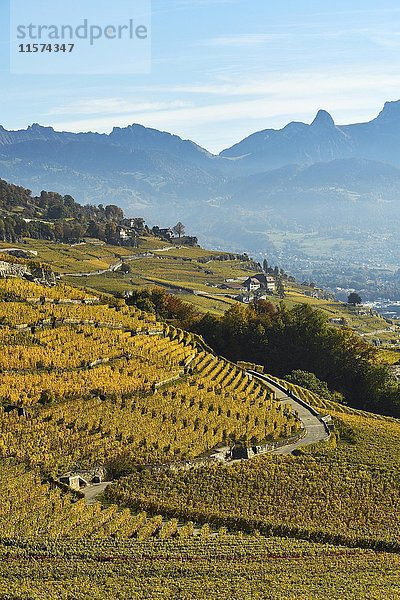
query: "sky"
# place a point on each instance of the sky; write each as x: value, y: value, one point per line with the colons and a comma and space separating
x: 223, y: 69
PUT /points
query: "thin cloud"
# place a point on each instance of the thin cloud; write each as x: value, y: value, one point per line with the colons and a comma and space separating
x: 360, y: 11
x: 263, y: 108
x: 112, y: 106
x: 290, y: 84
x: 387, y: 41
x: 219, y: 124
x: 190, y: 3
x: 244, y: 40
x: 169, y: 7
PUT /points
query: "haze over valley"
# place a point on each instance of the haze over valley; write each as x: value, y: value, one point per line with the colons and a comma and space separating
x: 320, y: 199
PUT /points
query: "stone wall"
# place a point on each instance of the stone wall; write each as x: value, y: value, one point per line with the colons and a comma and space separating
x: 13, y: 269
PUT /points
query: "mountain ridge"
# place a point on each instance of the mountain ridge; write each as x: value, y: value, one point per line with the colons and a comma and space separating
x: 322, y: 141
x: 296, y: 143
x: 303, y: 177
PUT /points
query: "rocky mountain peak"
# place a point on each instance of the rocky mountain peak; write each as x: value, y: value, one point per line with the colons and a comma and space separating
x: 390, y: 111
x: 323, y: 119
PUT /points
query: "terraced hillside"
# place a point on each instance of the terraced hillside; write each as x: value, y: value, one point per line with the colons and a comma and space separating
x: 346, y: 491
x: 89, y: 383
x: 107, y: 385
x: 195, y: 274
x: 223, y: 567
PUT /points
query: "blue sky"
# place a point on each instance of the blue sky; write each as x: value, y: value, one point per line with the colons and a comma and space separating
x: 222, y: 69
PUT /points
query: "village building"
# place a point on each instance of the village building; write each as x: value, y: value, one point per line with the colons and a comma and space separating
x: 245, y: 452
x: 260, y: 281
x: 127, y: 236
x: 234, y: 286
x: 252, y: 284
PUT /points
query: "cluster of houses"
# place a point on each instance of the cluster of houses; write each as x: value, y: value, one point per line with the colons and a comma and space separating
x: 256, y: 287
x: 169, y: 235
x: 130, y: 230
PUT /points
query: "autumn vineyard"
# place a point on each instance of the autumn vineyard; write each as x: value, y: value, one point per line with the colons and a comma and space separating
x: 88, y: 383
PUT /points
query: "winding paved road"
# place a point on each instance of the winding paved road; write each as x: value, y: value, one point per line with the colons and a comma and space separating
x: 316, y: 430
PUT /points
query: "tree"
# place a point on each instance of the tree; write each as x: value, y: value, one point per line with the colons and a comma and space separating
x: 125, y: 268
x: 280, y: 288
x: 58, y: 231
x: 265, y: 265
x: 111, y: 234
x: 114, y: 213
x: 354, y: 299
x: 311, y: 382
x: 77, y: 232
x: 96, y: 230
x: 165, y: 306
x: 56, y: 211
x: 179, y: 229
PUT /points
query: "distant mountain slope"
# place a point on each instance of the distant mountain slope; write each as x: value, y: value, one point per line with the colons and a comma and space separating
x: 322, y: 141
x: 36, y: 133
x: 356, y: 175
x: 301, y: 178
x: 296, y: 143
x: 134, y: 138
x: 342, y: 193
x: 144, y: 166
x: 137, y: 166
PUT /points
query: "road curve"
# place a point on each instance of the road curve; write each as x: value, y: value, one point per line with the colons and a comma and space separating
x: 316, y: 429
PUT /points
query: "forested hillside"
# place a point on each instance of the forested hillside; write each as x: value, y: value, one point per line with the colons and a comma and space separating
x: 302, y: 339
x: 52, y: 216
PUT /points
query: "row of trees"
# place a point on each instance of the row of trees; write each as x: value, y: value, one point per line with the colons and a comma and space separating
x: 275, y: 271
x: 54, y: 217
x: 165, y: 306
x: 14, y: 228
x: 53, y: 206
x: 286, y: 340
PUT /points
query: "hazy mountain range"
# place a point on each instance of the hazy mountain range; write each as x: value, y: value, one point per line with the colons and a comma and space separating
x: 320, y: 177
